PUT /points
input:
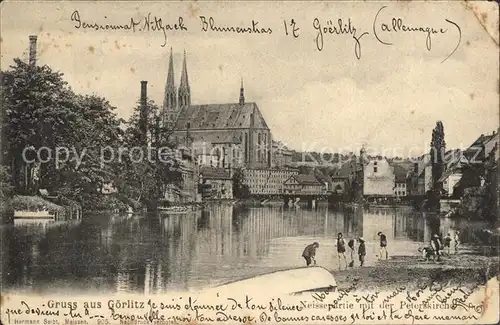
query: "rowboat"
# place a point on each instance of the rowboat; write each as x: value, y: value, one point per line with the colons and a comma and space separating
x: 280, y: 283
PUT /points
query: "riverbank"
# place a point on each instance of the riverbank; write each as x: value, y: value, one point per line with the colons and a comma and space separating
x: 412, y: 272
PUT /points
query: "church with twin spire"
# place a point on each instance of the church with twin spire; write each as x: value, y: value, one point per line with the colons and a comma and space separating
x: 222, y: 135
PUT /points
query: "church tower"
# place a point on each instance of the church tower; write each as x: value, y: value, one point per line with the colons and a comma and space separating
x: 184, y: 98
x: 170, y: 100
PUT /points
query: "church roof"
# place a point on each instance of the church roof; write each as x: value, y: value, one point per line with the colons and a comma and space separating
x: 220, y: 116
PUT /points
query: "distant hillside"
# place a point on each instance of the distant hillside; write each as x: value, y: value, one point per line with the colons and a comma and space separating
x: 320, y: 158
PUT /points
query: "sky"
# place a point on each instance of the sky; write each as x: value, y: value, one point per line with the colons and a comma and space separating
x: 387, y: 100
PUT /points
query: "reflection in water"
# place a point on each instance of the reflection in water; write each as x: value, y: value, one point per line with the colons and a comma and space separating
x: 158, y: 253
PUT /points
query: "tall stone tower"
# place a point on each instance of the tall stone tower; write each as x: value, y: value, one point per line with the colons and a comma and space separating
x: 170, y: 109
x: 184, y: 98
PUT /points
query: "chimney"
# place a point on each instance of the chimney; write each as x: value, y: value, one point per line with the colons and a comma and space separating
x: 144, y: 94
x: 32, y: 51
x: 144, y: 112
x: 242, y: 93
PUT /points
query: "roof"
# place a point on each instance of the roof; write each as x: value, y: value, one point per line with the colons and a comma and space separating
x: 447, y: 174
x: 472, y: 151
x: 400, y: 172
x: 424, y: 161
x: 220, y: 137
x: 345, y: 170
x: 220, y: 116
x: 306, y: 179
x: 215, y: 173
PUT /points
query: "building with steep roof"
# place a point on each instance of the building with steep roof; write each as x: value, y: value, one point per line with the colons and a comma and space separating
x: 401, y: 173
x: 216, y: 183
x: 235, y: 133
x: 304, y: 184
x: 378, y: 178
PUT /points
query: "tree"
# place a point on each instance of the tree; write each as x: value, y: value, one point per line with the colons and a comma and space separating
x: 34, y: 101
x: 145, y: 179
x: 97, y: 137
x: 240, y: 189
x: 5, y: 186
x: 41, y: 111
x: 438, y: 150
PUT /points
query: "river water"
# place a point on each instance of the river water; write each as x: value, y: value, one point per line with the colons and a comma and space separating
x: 162, y: 253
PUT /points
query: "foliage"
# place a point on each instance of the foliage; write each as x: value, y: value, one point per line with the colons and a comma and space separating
x: 145, y: 179
x: 240, y: 189
x: 104, y: 202
x: 438, y: 149
x: 6, y: 188
x: 42, y: 111
x: 318, y: 157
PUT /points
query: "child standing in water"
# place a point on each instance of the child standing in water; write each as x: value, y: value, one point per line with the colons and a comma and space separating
x: 457, y: 241
x: 341, y: 249
x: 383, y: 245
x: 351, y: 244
x: 361, y: 251
x: 447, y: 243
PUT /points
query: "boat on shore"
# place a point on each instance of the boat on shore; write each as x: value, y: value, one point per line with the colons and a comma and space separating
x: 279, y: 283
x: 34, y: 215
x: 181, y: 208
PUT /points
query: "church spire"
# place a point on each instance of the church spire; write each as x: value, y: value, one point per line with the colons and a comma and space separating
x: 242, y: 93
x: 170, y: 77
x: 170, y: 100
x: 184, y: 90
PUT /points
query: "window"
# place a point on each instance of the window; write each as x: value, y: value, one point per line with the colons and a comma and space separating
x: 375, y: 163
x: 375, y: 169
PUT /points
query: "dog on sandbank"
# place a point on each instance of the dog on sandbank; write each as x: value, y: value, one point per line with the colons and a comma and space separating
x: 427, y: 253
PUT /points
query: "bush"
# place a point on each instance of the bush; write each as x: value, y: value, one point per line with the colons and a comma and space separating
x: 99, y: 203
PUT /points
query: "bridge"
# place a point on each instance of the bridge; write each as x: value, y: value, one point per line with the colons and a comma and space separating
x: 290, y: 199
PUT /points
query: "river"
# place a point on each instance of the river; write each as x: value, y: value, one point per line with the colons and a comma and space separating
x: 154, y: 254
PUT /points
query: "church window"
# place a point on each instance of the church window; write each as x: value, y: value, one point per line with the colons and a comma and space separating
x: 259, y: 140
x: 246, y: 147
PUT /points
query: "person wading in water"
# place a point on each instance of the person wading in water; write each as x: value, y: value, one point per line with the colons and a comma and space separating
x: 447, y: 244
x: 436, y: 246
x: 361, y: 251
x: 341, y: 249
x: 457, y: 241
x: 383, y: 245
x: 309, y: 253
x: 351, y: 245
